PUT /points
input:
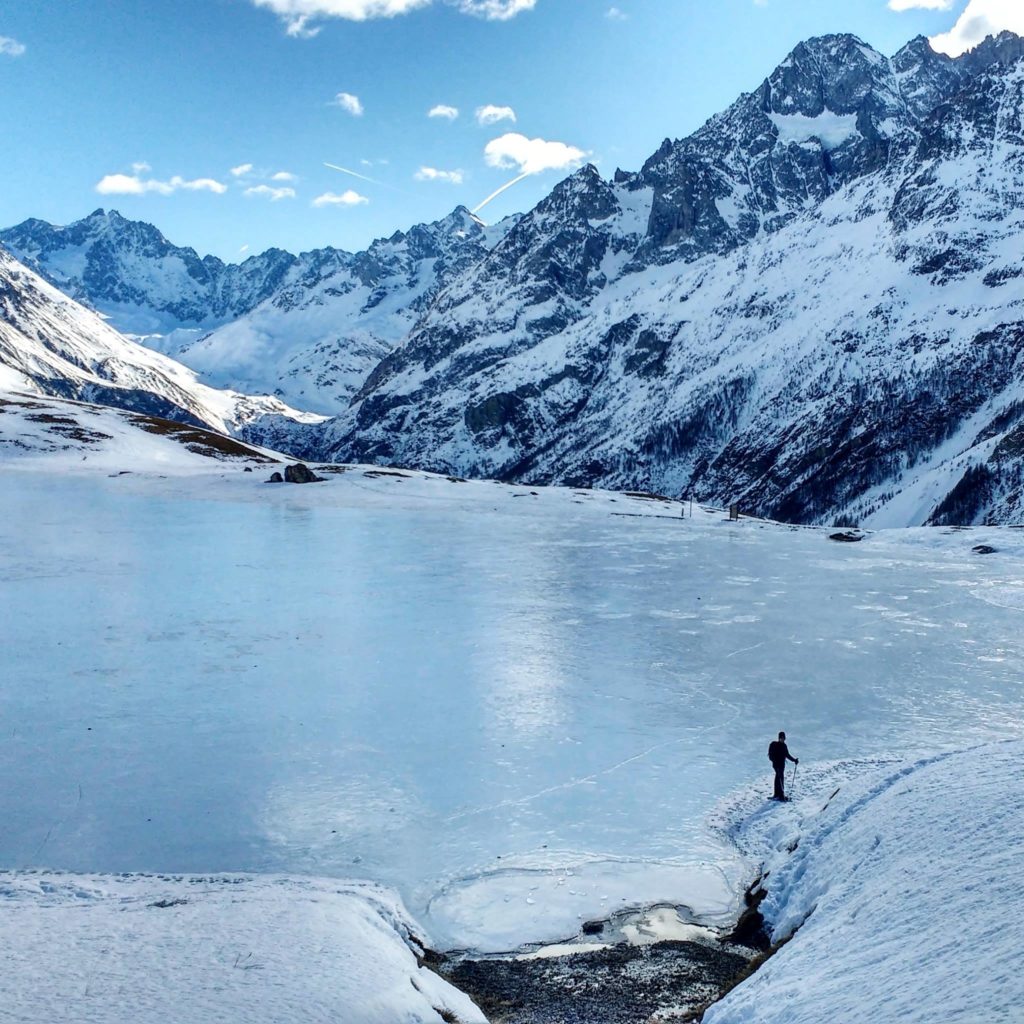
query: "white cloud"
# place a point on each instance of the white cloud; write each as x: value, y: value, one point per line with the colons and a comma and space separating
x: 923, y: 5
x: 981, y: 18
x: 490, y: 114
x: 243, y: 248
x: 133, y: 185
x: 531, y: 156
x: 141, y: 167
x: 120, y: 185
x: 198, y: 185
x: 495, y: 10
x: 443, y: 110
x: 273, y: 194
x: 241, y: 169
x: 299, y: 16
x: 284, y: 176
x: 347, y: 198
x: 11, y: 47
x: 348, y: 103
x: 433, y: 174
x: 616, y: 14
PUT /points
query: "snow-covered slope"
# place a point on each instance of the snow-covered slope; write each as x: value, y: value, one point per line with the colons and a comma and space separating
x: 337, y: 315
x: 306, y: 328
x: 61, y: 435
x: 114, y: 949
x: 51, y: 345
x: 902, y: 897
x: 813, y: 306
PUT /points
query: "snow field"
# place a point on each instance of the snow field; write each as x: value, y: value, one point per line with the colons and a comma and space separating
x: 104, y: 949
x: 902, y: 898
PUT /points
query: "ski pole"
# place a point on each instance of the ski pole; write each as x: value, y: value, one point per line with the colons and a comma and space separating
x: 796, y: 768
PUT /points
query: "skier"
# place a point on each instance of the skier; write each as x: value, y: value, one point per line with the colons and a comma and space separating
x: 778, y: 754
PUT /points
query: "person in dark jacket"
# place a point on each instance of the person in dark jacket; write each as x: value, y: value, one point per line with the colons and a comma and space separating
x: 778, y: 754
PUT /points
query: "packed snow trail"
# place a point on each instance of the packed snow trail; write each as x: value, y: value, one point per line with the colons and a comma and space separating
x: 902, y: 898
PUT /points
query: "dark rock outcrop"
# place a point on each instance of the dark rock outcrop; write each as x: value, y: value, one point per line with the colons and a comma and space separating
x: 301, y: 474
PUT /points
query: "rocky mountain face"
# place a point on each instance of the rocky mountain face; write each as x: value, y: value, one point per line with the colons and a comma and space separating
x: 51, y: 345
x: 336, y: 315
x: 129, y: 272
x: 814, y: 306
x: 306, y: 328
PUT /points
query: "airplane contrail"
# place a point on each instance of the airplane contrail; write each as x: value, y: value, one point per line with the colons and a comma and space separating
x: 363, y: 177
x: 355, y: 174
x: 494, y: 195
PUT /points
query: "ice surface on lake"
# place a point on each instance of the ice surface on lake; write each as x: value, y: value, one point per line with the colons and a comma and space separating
x: 518, y: 711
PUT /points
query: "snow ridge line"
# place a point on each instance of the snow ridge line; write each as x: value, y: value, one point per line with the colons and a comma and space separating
x: 810, y: 842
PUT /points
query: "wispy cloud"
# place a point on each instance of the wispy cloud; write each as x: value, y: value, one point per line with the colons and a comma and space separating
x: 616, y: 14
x: 241, y: 169
x: 443, y: 110
x: 349, y: 103
x: 267, y: 192
x: 920, y: 5
x: 347, y: 198
x: 490, y: 114
x: 495, y: 10
x: 141, y: 167
x: 133, y: 185
x: 11, y: 47
x: 433, y: 174
x: 284, y: 176
x: 300, y: 16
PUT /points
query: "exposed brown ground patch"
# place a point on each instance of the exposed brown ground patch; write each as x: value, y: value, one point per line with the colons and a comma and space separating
x: 200, y: 440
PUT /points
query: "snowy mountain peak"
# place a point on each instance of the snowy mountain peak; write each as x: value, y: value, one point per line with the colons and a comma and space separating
x: 1006, y: 48
x: 795, y: 307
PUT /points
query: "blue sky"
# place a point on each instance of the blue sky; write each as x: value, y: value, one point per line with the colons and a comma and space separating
x: 149, y: 107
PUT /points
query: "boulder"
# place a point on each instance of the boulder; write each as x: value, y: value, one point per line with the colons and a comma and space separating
x: 276, y: 478
x: 301, y: 474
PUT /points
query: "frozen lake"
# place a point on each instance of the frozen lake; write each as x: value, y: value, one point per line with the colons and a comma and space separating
x: 515, y: 711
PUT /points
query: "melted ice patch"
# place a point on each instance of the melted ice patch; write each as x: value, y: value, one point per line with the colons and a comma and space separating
x: 503, y: 911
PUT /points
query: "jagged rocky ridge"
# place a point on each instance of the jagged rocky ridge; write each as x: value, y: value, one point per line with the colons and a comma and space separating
x: 306, y: 328
x: 131, y: 273
x: 813, y: 306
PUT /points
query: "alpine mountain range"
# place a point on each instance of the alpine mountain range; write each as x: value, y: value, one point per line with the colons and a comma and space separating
x: 813, y: 307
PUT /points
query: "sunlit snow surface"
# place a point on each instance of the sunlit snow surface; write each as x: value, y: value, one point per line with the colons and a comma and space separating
x: 516, y: 709
x: 901, y: 893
